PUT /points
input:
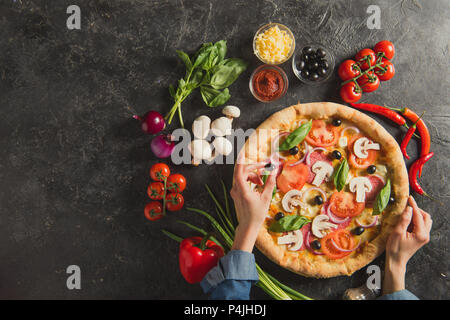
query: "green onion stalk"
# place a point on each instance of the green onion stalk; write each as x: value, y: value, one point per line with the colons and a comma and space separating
x: 226, y: 228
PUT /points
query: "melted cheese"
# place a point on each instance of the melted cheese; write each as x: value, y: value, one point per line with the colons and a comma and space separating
x: 273, y: 45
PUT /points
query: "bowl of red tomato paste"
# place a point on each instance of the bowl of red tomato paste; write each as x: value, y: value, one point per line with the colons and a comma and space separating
x: 268, y: 83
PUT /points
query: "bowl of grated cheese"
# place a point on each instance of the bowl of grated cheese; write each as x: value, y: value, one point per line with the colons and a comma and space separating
x: 274, y: 43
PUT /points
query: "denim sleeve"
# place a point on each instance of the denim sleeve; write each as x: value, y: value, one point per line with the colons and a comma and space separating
x: 232, y: 278
x: 399, y: 295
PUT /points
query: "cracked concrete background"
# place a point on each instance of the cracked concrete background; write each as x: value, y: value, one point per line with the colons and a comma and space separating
x: 74, y: 164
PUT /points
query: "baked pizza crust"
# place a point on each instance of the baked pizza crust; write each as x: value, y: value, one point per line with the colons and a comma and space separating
x: 257, y: 148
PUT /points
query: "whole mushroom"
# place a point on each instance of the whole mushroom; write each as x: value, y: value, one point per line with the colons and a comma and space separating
x: 201, y: 127
x: 200, y: 150
x: 222, y: 146
x: 221, y: 127
x: 231, y: 112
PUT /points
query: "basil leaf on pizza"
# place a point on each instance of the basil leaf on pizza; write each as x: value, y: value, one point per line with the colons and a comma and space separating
x: 340, y: 177
x: 296, y: 136
x: 289, y: 223
x: 382, y: 199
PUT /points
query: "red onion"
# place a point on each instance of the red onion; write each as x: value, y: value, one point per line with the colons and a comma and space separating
x: 308, y: 157
x: 152, y: 122
x: 324, y: 195
x: 309, y: 247
x: 379, y: 177
x: 304, y: 155
x: 367, y: 225
x: 349, y: 128
x: 344, y: 250
x: 335, y: 219
x: 162, y: 145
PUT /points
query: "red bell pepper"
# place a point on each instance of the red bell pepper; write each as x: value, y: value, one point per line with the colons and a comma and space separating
x: 198, y: 256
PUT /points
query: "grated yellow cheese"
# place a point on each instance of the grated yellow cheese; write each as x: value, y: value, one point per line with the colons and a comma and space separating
x: 273, y: 45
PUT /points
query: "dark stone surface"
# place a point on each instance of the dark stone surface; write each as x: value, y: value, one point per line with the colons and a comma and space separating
x: 74, y: 165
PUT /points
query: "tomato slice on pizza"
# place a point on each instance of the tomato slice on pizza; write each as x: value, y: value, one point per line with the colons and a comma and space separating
x: 292, y: 177
x: 322, y: 134
x: 343, y: 204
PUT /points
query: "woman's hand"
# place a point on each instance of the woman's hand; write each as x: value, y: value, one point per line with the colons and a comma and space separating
x: 409, y: 235
x: 251, y: 206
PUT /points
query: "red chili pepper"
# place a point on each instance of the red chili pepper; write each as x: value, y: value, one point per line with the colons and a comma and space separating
x: 425, y: 139
x: 386, y: 112
x: 197, y: 257
x: 415, y: 167
x: 407, y: 138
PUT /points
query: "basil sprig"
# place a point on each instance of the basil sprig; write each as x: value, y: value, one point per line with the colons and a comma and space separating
x: 289, y: 223
x: 296, y: 136
x: 341, y: 174
x: 208, y: 70
x: 382, y: 199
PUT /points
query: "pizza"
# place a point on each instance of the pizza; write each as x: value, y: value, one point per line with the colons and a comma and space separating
x: 341, y: 185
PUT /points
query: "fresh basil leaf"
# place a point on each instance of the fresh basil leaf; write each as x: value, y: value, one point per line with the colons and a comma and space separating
x: 382, y: 199
x: 296, y: 136
x: 197, y: 78
x: 202, y: 54
x: 289, y: 223
x: 341, y: 174
x: 214, y: 97
x: 223, y: 77
x: 238, y: 65
x: 172, y: 91
x: 185, y: 58
x: 221, y: 49
x: 221, y: 98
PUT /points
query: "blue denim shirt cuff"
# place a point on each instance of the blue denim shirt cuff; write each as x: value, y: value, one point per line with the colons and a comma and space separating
x: 399, y: 295
x: 236, y: 265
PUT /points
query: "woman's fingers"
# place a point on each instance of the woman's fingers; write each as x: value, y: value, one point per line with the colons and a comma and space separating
x: 418, y: 219
x: 270, y: 184
x: 405, y: 220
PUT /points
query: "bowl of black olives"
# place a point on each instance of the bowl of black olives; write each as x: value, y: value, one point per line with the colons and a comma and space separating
x: 313, y: 64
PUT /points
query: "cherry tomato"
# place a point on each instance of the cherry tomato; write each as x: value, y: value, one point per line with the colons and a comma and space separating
x: 343, y: 204
x: 292, y: 177
x: 348, y: 70
x: 174, y: 201
x: 159, y: 171
x: 362, y: 60
x: 369, y: 82
x: 341, y: 238
x: 322, y: 134
x: 155, y: 190
x: 350, y: 92
x: 389, y: 73
x: 360, y: 163
x: 153, y: 211
x: 386, y: 47
x: 176, y: 183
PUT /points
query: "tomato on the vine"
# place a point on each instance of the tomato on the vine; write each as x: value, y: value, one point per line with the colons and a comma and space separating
x: 362, y: 60
x: 174, y: 201
x: 159, y: 171
x: 153, y: 211
x: 350, y: 92
x: 155, y: 190
x: 386, y: 47
x: 348, y: 70
x: 176, y: 183
x: 389, y: 73
x: 369, y: 82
